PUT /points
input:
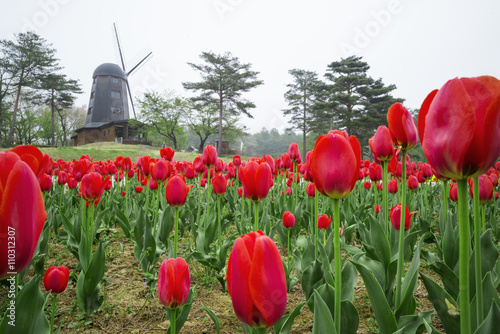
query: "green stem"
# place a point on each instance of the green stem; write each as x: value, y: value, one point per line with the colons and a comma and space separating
x: 445, y: 203
x: 477, y: 250
x: 147, y: 197
x: 294, y: 186
x: 176, y: 228
x: 259, y: 330
x: 256, y: 216
x: 242, y: 205
x: 157, y: 194
x: 316, y: 209
x: 464, y: 250
x: 127, y: 212
x: 173, y: 320
x: 384, y: 197
x: 483, y: 216
x: 199, y: 200
x: 288, y: 250
x: 338, y: 261
x: 218, y: 222
x: 399, y: 275
x: 54, y: 308
x: 91, y: 224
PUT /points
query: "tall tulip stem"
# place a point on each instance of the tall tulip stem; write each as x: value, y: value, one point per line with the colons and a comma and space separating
x: 445, y: 202
x: 173, y: 320
x: 464, y: 245
x: 54, y: 308
x: 256, y: 216
x: 385, y: 205
x: 218, y: 222
x: 176, y: 228
x: 338, y: 261
x: 316, y: 215
x: 399, y: 274
x: 477, y: 250
x: 126, y: 196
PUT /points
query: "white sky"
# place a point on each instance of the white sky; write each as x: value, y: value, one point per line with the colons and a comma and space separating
x: 416, y: 45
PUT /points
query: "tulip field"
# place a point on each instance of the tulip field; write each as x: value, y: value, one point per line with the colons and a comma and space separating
x: 286, y: 244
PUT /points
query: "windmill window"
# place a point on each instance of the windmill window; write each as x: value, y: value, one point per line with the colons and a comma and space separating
x: 90, y: 111
x: 115, y: 94
x: 114, y: 80
x: 115, y: 110
x: 92, y: 95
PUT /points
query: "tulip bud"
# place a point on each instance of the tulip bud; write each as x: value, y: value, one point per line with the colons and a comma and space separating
x: 56, y: 279
x: 288, y: 219
x: 323, y: 222
x: 174, y: 281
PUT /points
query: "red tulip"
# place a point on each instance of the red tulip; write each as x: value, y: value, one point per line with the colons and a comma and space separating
x: 288, y: 219
x: 494, y: 179
x: 124, y: 193
x: 198, y: 164
x: 285, y: 161
x: 79, y: 170
x: 454, y: 192
x: 256, y: 179
x: 219, y: 184
x: 209, y: 155
x: 294, y: 152
x: 56, y: 279
x: 62, y: 178
x: 174, y: 281
x: 381, y: 144
x: 392, y: 186
x: 126, y: 164
x: 402, y: 127
x: 73, y: 183
x: 311, y: 189
x: 256, y: 280
x: 236, y: 160
x: 153, y: 185
x: 138, y: 189
x: 323, y: 222
x: 167, y: 153
x: 367, y: 185
x: 458, y: 126
x: 335, y: 164
x: 375, y: 172
x: 22, y: 213
x: 289, y: 191
x: 32, y: 156
x: 395, y: 215
x: 485, y: 189
x: 92, y: 186
x: 176, y: 190
x: 161, y: 170
x: 46, y: 182
x: 240, y: 191
x: 412, y: 182
x: 144, y: 163
x: 379, y: 186
x: 377, y: 208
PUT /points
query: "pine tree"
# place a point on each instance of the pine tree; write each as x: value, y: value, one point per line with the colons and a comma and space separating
x: 224, y: 81
x: 301, y: 97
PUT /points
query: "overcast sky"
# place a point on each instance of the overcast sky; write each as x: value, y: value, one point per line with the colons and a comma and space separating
x: 416, y: 45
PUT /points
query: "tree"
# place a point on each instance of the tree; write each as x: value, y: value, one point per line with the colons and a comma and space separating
x: 224, y: 81
x: 59, y: 96
x: 301, y: 97
x: 31, y: 58
x: 7, y: 81
x: 164, y: 113
x: 203, y: 121
x: 352, y: 100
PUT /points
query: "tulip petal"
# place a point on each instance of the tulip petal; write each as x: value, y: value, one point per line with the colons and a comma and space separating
x: 451, y: 128
x: 22, y: 208
x: 238, y: 272
x: 267, y: 281
x: 424, y: 109
x: 263, y: 180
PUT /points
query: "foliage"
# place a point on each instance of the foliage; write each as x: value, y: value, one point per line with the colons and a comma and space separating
x: 224, y: 81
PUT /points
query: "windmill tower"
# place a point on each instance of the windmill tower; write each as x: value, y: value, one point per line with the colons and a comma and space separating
x: 108, y: 111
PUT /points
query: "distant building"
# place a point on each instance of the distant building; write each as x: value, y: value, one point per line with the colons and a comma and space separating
x: 108, y: 113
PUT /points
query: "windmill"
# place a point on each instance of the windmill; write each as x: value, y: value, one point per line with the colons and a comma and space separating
x: 108, y: 111
x: 128, y: 73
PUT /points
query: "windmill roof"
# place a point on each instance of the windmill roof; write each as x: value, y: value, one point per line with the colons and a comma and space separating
x: 109, y: 69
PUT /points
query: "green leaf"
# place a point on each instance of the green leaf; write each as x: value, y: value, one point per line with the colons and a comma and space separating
x: 122, y: 220
x: 214, y: 318
x: 312, y: 278
x: 490, y: 324
x: 28, y: 317
x: 349, y: 281
x: 285, y: 324
x: 323, y: 320
x: 383, y: 313
x: 184, y: 312
x: 444, y: 304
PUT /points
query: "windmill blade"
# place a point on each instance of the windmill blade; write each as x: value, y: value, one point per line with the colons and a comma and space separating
x: 119, y: 48
x: 131, y: 99
x: 139, y: 63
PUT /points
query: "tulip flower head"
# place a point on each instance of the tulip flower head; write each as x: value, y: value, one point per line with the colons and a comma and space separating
x: 458, y: 126
x: 392, y: 186
x: 336, y: 159
x: 176, y: 190
x: 256, y: 280
x: 174, y: 281
x: 294, y: 152
x: 219, y: 184
x: 92, y: 186
x: 412, y: 182
x: 56, y: 279
x: 139, y: 189
x: 381, y: 144
x: 167, y: 153
x: 209, y: 155
x: 402, y: 127
x: 46, y: 182
x: 324, y: 222
x: 485, y: 189
x: 256, y: 179
x: 22, y: 212
x: 288, y: 219
x: 311, y: 189
x: 395, y: 215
